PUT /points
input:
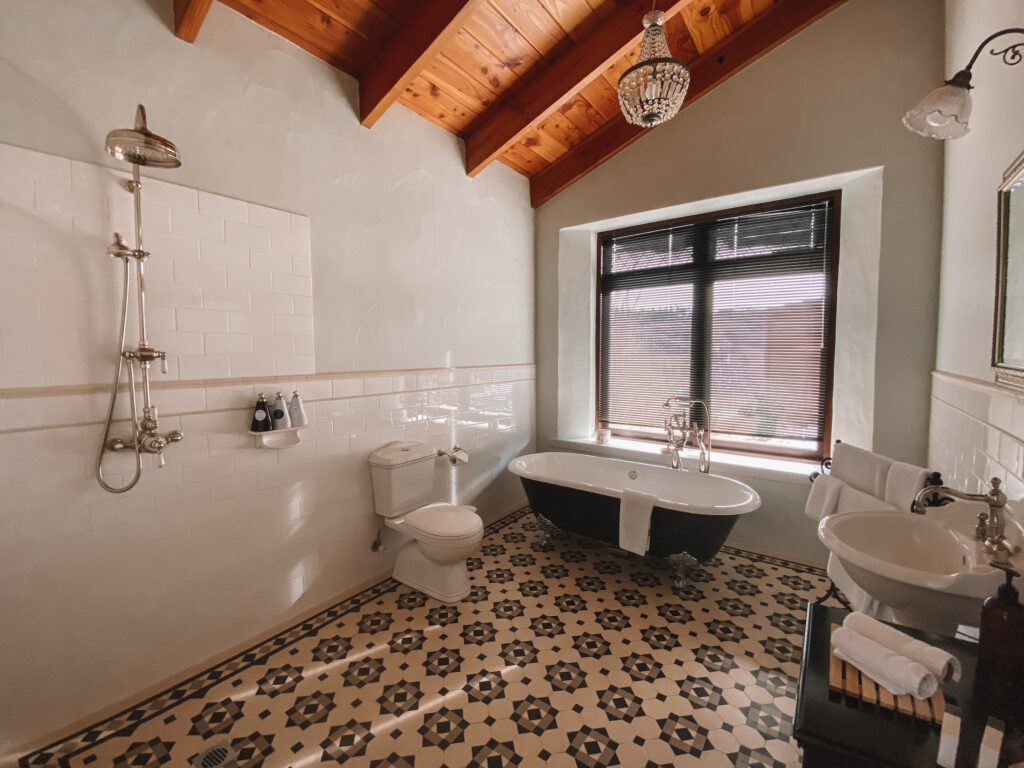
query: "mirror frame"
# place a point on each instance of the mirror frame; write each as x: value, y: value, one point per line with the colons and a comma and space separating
x: 1007, y: 375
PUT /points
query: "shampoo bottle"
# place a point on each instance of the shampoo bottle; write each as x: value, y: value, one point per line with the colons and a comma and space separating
x: 1002, y: 627
x: 296, y: 411
x: 261, y: 416
x: 279, y: 413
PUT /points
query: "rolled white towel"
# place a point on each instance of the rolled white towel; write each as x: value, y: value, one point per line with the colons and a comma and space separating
x: 887, y: 668
x: 944, y: 666
x: 903, y: 483
x: 821, y: 501
x: 864, y: 470
x: 852, y: 500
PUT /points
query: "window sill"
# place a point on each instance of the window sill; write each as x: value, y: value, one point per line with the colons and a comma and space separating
x: 794, y: 471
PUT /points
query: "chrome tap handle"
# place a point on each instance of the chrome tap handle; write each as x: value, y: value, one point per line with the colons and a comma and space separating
x: 161, y: 462
x: 175, y: 436
x: 163, y: 362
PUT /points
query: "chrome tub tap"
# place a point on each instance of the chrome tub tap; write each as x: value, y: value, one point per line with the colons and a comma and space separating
x: 682, y: 431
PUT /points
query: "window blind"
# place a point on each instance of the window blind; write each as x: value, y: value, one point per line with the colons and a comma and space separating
x: 736, y: 308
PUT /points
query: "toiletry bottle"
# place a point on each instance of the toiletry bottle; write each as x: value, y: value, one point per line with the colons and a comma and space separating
x: 279, y: 413
x: 261, y: 416
x: 296, y: 411
x: 1002, y: 627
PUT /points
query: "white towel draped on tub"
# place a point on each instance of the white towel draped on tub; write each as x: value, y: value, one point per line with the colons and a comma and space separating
x: 864, y: 470
x: 852, y: 500
x: 903, y: 483
x: 635, y: 520
x: 824, y: 495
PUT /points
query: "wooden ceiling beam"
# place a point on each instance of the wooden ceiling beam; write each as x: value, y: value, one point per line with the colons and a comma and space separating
x: 421, y: 37
x: 559, y: 82
x: 189, y: 16
x: 746, y: 45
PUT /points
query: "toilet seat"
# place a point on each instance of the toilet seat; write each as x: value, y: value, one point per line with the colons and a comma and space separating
x: 441, y: 525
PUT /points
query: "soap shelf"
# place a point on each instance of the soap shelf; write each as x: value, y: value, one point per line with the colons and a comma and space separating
x: 279, y: 438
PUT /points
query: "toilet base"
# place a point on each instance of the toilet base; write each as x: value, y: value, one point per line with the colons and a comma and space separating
x: 447, y: 583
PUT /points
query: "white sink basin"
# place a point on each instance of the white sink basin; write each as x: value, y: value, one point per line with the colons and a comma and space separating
x: 929, y: 569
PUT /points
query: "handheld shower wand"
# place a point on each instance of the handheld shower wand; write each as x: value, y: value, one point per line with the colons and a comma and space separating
x: 137, y: 146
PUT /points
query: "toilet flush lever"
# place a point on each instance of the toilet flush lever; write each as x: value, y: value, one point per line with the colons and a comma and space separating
x: 456, y: 455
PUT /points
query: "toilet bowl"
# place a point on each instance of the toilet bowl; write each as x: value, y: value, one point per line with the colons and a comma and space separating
x: 434, y: 562
x: 443, y: 535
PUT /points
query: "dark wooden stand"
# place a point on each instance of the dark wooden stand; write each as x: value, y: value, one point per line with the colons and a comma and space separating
x: 839, y: 733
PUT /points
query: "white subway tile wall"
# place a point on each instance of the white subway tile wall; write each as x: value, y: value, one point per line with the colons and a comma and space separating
x: 226, y: 278
x: 103, y: 595
x: 977, y: 432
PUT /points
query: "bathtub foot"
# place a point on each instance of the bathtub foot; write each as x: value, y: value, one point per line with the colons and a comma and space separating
x: 547, y: 530
x: 681, y: 563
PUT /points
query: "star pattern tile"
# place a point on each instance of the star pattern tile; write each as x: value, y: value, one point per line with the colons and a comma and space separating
x: 565, y: 653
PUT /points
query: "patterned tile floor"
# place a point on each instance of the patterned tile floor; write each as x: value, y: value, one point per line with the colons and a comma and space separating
x: 566, y: 653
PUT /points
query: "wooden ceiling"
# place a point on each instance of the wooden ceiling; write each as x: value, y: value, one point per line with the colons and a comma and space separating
x: 528, y: 83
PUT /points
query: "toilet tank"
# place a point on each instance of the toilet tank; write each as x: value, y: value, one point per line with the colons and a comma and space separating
x: 403, y: 477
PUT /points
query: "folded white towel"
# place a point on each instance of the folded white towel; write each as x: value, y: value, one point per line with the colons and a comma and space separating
x: 864, y: 470
x: 944, y: 666
x: 635, y: 520
x: 852, y: 500
x: 903, y: 483
x: 821, y: 501
x: 886, y: 667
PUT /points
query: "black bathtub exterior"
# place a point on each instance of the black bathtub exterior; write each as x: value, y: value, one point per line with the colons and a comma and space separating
x: 597, y: 516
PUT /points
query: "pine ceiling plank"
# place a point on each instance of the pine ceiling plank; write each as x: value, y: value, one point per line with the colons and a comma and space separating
x: 557, y: 83
x: 443, y: 73
x: 602, y: 97
x: 188, y: 18
x: 706, y: 24
x: 503, y: 40
x: 544, y: 144
x: 479, y: 63
x: 583, y: 115
x: 511, y: 163
x: 420, y: 38
x: 575, y: 17
x: 749, y: 43
x: 438, y: 105
x: 306, y: 27
x: 365, y: 19
x: 535, y: 24
x: 527, y: 159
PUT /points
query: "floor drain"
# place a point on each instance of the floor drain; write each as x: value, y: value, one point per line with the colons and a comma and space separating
x: 217, y: 756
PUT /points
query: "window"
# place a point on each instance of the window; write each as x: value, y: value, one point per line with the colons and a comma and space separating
x: 736, y: 308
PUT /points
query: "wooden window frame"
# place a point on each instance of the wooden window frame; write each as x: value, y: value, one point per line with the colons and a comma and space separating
x: 700, y: 373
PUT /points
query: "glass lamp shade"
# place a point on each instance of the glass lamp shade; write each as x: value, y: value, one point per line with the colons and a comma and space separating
x: 942, y: 114
x: 653, y: 89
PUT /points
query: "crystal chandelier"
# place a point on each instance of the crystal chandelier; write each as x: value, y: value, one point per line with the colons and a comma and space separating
x: 652, y: 90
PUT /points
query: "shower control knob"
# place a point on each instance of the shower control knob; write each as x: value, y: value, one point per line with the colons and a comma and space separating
x: 161, y: 462
x: 163, y: 363
x: 175, y: 436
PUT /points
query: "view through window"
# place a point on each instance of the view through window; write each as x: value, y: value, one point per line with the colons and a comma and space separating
x: 736, y: 308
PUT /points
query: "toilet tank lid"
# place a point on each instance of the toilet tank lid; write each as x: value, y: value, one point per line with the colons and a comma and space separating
x: 400, y: 452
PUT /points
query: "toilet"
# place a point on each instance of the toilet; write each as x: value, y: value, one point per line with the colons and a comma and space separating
x: 443, y: 535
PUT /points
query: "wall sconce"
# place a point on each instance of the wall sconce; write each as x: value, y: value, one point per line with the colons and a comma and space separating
x: 944, y: 112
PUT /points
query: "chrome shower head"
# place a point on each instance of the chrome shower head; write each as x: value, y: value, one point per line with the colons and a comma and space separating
x: 141, y: 147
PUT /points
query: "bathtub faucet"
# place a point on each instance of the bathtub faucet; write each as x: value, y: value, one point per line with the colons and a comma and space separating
x: 682, y: 431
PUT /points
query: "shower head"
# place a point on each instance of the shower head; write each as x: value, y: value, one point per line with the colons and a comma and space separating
x: 140, y: 147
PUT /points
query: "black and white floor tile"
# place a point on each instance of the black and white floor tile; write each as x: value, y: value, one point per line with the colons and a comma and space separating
x: 565, y: 653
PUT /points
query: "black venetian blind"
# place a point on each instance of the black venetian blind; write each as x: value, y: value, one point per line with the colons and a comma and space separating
x: 737, y: 308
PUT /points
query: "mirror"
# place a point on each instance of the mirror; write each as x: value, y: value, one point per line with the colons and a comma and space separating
x: 1008, y: 342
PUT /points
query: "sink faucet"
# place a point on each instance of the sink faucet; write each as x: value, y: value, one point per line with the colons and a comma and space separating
x: 681, y: 431
x: 991, y: 526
